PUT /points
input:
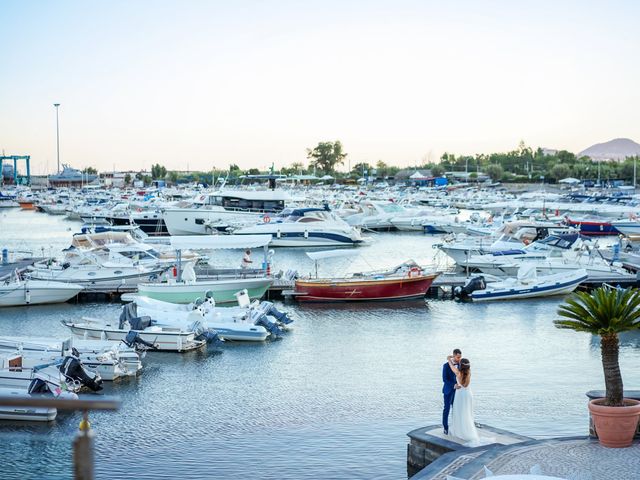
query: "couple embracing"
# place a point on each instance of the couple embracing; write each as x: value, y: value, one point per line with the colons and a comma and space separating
x: 458, y: 399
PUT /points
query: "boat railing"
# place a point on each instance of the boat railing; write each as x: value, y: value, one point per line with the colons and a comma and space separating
x: 83, y: 457
x: 206, y: 273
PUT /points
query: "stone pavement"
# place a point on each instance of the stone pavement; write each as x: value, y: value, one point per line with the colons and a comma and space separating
x: 575, y: 458
x: 572, y: 458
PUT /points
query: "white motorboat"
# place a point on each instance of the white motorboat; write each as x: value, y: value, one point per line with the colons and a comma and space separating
x: 168, y: 338
x: 540, y: 250
x: 18, y: 292
x: 44, y: 382
x: 94, y: 274
x: 305, y: 227
x: 66, y: 373
x: 219, y: 210
x: 374, y: 215
x: 509, y: 236
x: 110, y: 360
x: 629, y: 227
x: 247, y: 322
x: 526, y: 285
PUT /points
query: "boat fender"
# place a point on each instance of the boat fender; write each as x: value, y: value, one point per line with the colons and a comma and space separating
x: 27, y: 296
x: 306, y: 233
x: 278, y: 233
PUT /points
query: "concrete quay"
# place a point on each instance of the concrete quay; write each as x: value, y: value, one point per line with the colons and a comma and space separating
x: 505, y: 453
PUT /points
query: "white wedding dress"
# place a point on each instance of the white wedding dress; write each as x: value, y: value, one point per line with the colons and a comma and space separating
x: 462, y: 423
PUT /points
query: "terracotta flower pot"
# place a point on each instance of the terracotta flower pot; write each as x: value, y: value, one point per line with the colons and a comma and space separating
x: 615, y: 426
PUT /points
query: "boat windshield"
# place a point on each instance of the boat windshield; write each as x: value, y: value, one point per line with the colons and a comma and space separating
x: 392, y: 208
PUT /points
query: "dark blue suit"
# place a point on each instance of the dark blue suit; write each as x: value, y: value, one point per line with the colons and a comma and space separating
x: 449, y: 392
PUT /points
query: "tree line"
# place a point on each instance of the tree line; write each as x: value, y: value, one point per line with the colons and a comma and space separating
x: 522, y: 165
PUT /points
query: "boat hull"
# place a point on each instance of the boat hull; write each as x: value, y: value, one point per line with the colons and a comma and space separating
x: 164, y: 340
x: 559, y: 288
x: 593, y: 228
x: 25, y: 414
x: 34, y: 292
x: 363, y: 290
x: 223, y: 290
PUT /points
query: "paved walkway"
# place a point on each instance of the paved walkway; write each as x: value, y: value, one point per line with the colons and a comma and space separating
x: 570, y: 458
x: 578, y: 458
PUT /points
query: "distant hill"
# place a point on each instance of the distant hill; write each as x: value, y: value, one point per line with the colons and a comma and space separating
x: 616, y: 149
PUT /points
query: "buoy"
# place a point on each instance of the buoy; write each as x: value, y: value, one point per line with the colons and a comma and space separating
x: 414, y: 272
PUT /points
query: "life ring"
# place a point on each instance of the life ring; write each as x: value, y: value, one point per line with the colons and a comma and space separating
x: 414, y: 272
x: 266, y: 218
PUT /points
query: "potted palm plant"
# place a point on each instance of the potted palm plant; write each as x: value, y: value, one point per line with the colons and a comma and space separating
x: 607, y: 312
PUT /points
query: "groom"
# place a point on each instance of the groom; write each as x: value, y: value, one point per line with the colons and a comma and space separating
x: 449, y: 388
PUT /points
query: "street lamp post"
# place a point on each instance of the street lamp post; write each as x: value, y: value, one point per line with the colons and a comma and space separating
x: 57, y: 135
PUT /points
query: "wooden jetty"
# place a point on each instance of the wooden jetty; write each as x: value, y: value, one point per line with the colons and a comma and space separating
x: 20, y: 265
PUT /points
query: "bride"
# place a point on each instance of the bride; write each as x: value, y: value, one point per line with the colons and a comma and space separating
x: 462, y: 422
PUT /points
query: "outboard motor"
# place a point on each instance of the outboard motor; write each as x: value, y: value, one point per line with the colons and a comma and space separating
x: 473, y: 284
x: 206, y: 334
x: 73, y: 369
x: 133, y: 340
x: 270, y: 309
x: 259, y: 318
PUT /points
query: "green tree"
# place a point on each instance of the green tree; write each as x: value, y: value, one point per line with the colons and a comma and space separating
x: 605, y: 312
x: 127, y: 179
x: 146, y: 179
x: 437, y: 170
x: 326, y: 156
x: 495, y: 172
x: 559, y: 171
x: 359, y: 169
x: 90, y: 171
x: 158, y: 171
x: 173, y: 176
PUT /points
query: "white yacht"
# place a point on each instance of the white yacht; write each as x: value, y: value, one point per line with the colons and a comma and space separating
x: 374, y: 215
x: 217, y: 211
x: 19, y: 292
x: 90, y: 271
x: 305, y: 227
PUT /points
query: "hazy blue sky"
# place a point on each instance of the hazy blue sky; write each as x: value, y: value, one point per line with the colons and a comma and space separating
x: 208, y: 83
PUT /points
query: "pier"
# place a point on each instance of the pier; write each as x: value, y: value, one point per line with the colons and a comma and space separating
x: 432, y: 455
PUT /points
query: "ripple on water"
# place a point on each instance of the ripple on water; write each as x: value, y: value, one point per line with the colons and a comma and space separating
x: 333, y: 399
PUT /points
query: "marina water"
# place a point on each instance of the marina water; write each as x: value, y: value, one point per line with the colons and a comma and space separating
x: 333, y: 399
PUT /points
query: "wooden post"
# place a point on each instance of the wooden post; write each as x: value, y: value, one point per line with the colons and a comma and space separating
x: 83, y: 450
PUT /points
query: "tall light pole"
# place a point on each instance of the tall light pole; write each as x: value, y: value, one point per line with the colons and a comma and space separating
x: 57, y: 135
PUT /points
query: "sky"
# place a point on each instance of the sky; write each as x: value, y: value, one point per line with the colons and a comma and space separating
x: 194, y: 85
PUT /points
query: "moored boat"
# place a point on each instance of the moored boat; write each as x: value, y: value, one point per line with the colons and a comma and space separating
x: 404, y: 282
x: 34, y: 292
x: 526, y: 285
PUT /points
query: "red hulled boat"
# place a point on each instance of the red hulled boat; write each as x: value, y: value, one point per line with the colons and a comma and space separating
x: 403, y: 282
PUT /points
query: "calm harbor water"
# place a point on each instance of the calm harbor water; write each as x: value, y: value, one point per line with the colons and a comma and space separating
x: 333, y: 399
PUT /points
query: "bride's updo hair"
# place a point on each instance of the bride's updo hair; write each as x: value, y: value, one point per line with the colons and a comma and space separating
x: 465, y: 371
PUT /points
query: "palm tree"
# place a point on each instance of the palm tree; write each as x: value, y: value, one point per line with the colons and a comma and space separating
x: 605, y: 312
